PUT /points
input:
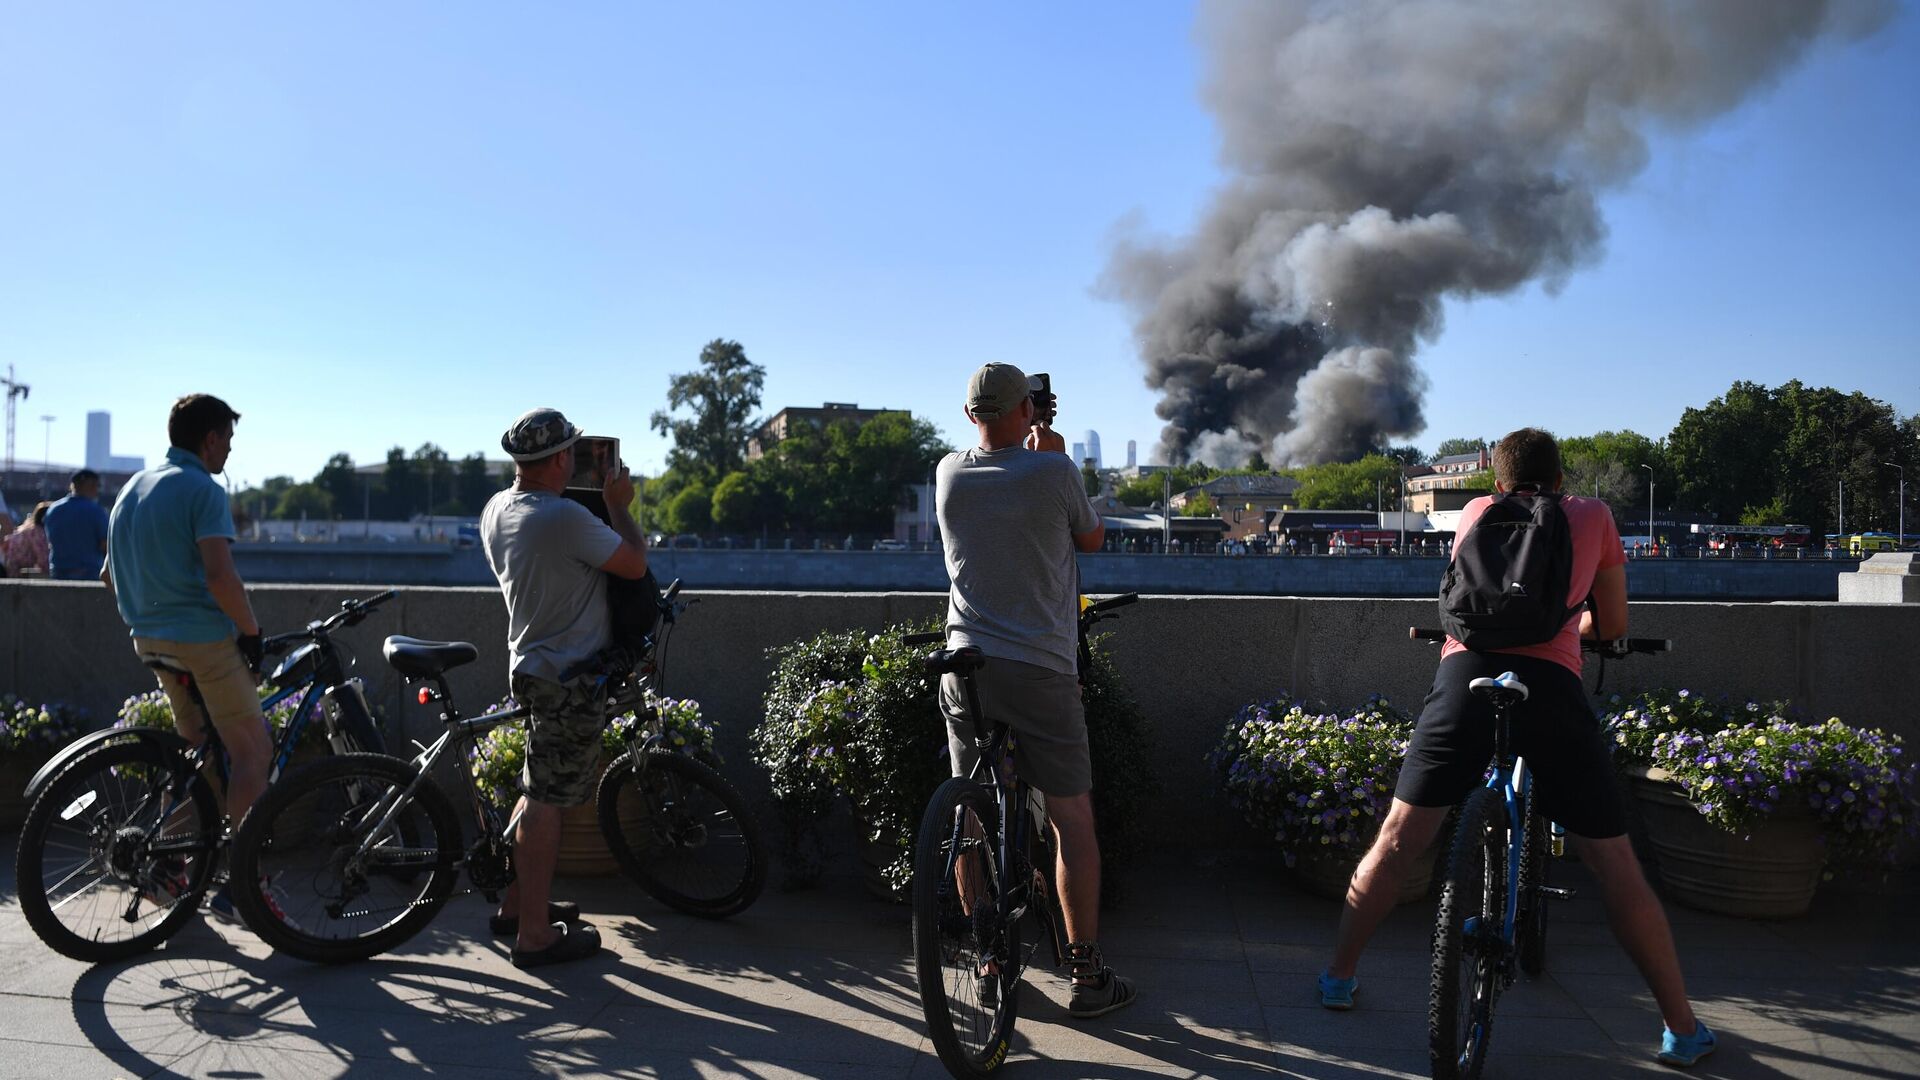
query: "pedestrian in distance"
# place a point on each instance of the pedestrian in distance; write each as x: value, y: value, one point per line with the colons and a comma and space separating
x: 77, y: 530
x: 25, y: 550
x: 552, y: 556
x: 1013, y: 512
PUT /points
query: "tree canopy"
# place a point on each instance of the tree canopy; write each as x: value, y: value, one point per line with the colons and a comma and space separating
x: 721, y: 397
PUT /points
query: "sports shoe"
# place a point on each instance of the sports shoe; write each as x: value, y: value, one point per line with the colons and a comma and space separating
x: 1337, y: 994
x: 220, y: 904
x: 1099, y: 998
x: 1682, y: 1051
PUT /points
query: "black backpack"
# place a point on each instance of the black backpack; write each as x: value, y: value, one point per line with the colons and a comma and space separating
x: 1507, y: 583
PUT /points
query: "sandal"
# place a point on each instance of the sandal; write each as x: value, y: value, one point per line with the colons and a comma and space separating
x: 557, y: 911
x: 577, y: 942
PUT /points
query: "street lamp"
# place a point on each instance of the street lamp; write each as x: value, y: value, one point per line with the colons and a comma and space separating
x: 46, y: 452
x: 1903, y: 501
x: 1650, y: 541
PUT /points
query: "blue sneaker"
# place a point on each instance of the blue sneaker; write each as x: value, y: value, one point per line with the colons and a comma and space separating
x: 1682, y: 1051
x: 1337, y: 994
x: 220, y: 905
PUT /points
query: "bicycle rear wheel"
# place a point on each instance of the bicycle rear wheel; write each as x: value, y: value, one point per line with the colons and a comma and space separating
x: 301, y: 880
x: 1530, y: 924
x: 682, y: 832
x: 958, y: 933
x: 116, y: 852
x: 1466, y: 940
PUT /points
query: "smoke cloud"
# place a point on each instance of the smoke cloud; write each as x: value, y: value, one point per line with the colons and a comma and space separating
x: 1386, y: 155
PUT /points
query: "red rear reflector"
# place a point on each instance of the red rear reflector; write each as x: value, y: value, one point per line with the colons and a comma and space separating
x: 426, y: 694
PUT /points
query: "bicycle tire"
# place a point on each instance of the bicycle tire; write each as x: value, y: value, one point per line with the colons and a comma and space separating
x: 107, y: 806
x: 302, y: 833
x: 970, y: 1036
x: 1530, y: 928
x: 1465, y: 979
x: 681, y: 832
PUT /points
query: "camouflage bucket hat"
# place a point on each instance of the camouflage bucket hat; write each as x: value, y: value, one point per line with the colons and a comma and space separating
x: 538, y: 433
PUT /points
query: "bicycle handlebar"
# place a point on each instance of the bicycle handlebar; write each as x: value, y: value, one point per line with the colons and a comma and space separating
x: 351, y: 613
x: 1616, y: 647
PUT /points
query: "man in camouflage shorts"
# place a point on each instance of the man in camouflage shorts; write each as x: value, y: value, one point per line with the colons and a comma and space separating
x: 552, y: 556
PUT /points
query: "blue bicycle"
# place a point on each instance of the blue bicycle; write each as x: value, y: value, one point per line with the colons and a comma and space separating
x: 1492, y: 920
x: 125, y: 832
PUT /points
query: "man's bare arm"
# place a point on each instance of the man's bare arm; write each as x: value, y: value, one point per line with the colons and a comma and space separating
x: 1607, y: 619
x: 630, y: 559
x: 223, y: 581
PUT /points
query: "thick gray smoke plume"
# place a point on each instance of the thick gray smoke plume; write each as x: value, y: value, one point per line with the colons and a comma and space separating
x: 1389, y: 154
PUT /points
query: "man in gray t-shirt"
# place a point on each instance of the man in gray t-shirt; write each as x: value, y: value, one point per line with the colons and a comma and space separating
x: 552, y: 556
x: 1012, y: 514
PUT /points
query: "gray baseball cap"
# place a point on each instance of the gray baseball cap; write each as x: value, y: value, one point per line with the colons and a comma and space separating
x: 996, y: 390
x: 538, y: 433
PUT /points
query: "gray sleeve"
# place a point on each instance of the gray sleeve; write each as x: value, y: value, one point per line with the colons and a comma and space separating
x: 585, y: 537
x: 1081, y: 517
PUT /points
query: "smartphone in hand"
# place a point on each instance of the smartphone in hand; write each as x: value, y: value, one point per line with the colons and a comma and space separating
x: 1044, y: 403
x: 595, y: 457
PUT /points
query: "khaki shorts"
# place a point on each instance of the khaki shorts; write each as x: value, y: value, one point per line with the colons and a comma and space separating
x: 1043, y: 708
x: 563, y: 737
x: 226, y: 684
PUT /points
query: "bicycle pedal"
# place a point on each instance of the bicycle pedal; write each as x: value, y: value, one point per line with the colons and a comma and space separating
x: 1557, y: 894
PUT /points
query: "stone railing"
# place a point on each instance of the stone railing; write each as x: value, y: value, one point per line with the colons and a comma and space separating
x: 1191, y: 660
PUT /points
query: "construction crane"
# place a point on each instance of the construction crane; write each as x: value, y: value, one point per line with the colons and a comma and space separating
x: 16, y: 391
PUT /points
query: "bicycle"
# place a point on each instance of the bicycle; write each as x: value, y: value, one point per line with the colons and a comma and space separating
x: 124, y: 830
x: 373, y: 847
x: 1492, y: 919
x: 976, y: 876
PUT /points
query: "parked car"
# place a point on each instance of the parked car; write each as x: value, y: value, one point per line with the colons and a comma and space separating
x: 890, y: 545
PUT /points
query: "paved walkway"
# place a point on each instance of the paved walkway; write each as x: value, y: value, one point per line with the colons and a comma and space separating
x: 818, y: 983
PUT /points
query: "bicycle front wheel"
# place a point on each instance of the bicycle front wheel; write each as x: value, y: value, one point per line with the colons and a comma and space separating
x: 116, y: 852
x: 965, y: 956
x: 683, y: 833
x: 1467, y: 943
x: 316, y: 874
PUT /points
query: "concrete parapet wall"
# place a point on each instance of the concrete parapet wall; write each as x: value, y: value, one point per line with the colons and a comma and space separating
x: 1192, y: 660
x: 879, y: 571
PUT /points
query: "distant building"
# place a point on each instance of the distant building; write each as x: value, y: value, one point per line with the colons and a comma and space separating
x: 1452, y: 471
x: 100, y: 456
x: 1079, y: 452
x: 779, y: 424
x: 1130, y: 451
x: 1092, y: 448
x: 1244, y: 503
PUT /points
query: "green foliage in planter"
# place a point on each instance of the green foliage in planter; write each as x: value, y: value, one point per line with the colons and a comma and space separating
x: 153, y: 710
x: 1857, y: 783
x: 851, y: 714
x: 497, y: 757
x: 1313, y: 781
x: 37, y: 730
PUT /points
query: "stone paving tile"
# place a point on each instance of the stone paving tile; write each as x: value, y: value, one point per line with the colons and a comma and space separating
x: 1313, y: 1027
x: 54, y: 1061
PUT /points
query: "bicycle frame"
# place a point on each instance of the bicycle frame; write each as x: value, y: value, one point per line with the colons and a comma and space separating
x: 1516, y: 795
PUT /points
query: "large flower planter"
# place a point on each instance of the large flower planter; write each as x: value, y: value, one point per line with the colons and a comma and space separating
x: 1770, y: 872
x: 15, y: 771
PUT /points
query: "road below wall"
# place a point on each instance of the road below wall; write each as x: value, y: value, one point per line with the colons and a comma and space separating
x: 1190, y: 661
x: 1759, y: 580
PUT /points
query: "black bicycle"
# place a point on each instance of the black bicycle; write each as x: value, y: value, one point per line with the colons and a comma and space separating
x: 1492, y: 919
x: 354, y: 855
x: 124, y: 833
x: 981, y: 865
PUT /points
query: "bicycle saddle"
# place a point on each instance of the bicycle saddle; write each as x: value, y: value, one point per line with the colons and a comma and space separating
x: 1505, y: 683
x: 414, y: 656
x: 964, y: 661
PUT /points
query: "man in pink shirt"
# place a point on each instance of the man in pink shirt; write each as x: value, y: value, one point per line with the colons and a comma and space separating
x: 1557, y: 733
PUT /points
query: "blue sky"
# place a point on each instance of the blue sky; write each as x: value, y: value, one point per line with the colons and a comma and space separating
x: 376, y: 225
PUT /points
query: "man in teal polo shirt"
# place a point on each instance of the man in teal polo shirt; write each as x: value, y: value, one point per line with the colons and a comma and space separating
x: 170, y: 566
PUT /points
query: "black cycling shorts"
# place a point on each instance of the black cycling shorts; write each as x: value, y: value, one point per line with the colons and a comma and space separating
x: 1554, y: 730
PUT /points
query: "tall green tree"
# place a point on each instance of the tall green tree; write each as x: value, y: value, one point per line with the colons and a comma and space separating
x: 1450, y: 447
x: 720, y: 397
x: 1608, y: 466
x: 1347, y: 485
x: 1089, y: 479
x: 472, y: 484
x: 342, y: 485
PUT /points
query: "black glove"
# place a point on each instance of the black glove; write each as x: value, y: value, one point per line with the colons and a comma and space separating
x: 251, y: 649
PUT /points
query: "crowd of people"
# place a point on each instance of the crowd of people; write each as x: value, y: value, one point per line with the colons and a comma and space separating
x: 1013, y: 515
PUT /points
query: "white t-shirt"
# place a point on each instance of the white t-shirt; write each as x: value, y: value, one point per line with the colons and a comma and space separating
x: 547, y: 551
